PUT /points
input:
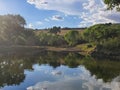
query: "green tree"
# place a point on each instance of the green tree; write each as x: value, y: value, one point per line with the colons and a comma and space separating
x: 55, y: 30
x: 106, y: 38
x: 72, y: 37
x: 111, y: 4
x: 51, y: 39
x: 101, y: 32
x: 11, y: 27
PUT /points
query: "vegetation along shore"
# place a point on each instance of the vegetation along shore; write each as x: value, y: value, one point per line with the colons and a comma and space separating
x: 98, y: 40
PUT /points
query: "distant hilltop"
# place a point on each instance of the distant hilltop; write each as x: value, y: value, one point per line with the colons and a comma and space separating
x: 72, y: 28
x: 65, y: 28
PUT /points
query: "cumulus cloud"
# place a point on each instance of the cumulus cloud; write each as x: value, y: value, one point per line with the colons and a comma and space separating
x: 57, y: 18
x: 96, y: 13
x: 90, y: 11
x: 70, y: 7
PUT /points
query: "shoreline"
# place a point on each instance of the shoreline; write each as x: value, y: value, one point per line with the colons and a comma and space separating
x: 4, y: 50
x: 40, y: 48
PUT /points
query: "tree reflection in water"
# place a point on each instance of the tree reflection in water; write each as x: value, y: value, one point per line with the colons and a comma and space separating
x: 12, y: 66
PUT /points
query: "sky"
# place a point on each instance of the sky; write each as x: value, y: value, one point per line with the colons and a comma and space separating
x: 65, y: 13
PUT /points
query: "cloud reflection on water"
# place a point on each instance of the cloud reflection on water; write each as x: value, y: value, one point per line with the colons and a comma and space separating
x: 77, y: 81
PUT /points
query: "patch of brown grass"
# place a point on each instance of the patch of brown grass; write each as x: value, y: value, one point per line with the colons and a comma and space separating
x: 63, y: 32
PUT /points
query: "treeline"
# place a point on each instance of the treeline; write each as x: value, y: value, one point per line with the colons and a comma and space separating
x: 13, y: 32
x: 105, y: 37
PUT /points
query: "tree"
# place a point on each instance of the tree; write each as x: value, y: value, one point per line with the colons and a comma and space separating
x: 11, y: 27
x: 111, y: 4
x: 101, y: 32
x: 106, y: 38
x: 51, y: 39
x: 72, y: 37
x: 55, y: 30
x: 11, y: 23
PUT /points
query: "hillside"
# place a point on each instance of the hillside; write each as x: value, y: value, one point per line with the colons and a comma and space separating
x: 62, y: 32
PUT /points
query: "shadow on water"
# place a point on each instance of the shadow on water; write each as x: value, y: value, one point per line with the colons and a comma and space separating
x: 12, y: 65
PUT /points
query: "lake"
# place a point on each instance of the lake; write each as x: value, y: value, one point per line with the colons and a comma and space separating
x: 57, y: 71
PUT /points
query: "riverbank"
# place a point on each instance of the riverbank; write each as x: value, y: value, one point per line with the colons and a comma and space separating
x: 83, y: 49
x: 38, y: 48
x: 106, y: 54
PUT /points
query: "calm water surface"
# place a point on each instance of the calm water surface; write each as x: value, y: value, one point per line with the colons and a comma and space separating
x: 57, y: 71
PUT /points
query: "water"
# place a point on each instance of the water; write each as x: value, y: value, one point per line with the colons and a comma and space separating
x: 57, y: 71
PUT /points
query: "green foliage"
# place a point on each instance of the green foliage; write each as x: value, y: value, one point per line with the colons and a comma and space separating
x: 73, y: 59
x: 105, y: 36
x: 101, y: 32
x: 51, y: 39
x: 10, y: 28
x: 30, y: 37
x: 12, y: 31
x: 112, y: 43
x: 111, y: 4
x: 72, y: 37
x: 14, y: 64
x: 55, y: 30
x: 103, y: 69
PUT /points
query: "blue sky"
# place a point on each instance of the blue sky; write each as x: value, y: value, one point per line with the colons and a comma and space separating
x: 64, y: 13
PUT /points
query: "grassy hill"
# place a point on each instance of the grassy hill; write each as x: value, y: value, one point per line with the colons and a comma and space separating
x: 63, y: 30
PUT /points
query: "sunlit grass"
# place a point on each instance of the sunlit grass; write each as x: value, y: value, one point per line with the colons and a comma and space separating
x: 86, y: 47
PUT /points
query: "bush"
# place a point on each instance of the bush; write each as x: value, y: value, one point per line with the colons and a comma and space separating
x: 51, y: 39
x: 72, y: 37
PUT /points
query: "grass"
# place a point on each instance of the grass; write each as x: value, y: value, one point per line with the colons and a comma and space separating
x: 86, y: 48
x: 19, y: 48
x: 6, y: 49
x: 62, y: 33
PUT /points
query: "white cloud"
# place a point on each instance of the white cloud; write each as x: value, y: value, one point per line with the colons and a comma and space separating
x: 34, y: 24
x: 46, y: 19
x: 95, y: 12
x: 39, y: 23
x: 83, y: 24
x: 90, y: 5
x: 57, y: 18
x: 30, y: 25
x: 81, y: 81
x: 90, y: 11
x: 65, y: 6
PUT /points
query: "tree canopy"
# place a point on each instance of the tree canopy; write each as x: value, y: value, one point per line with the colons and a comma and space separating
x: 12, y: 31
x: 55, y: 30
x: 111, y: 4
x: 72, y: 37
x: 106, y: 37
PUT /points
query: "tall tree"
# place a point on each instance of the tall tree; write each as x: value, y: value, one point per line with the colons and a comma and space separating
x: 11, y: 26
